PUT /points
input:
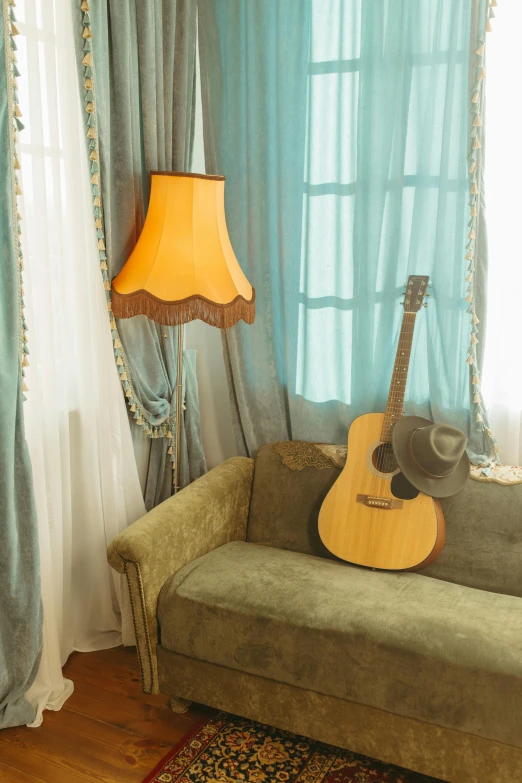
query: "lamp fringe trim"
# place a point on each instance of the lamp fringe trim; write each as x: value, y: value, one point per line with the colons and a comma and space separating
x: 223, y: 316
x: 152, y: 428
x: 15, y: 126
x: 478, y: 412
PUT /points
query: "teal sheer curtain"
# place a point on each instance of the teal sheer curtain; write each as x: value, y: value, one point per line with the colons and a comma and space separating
x: 20, y: 603
x: 342, y: 129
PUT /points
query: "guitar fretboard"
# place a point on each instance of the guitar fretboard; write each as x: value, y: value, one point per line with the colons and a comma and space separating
x: 394, y: 407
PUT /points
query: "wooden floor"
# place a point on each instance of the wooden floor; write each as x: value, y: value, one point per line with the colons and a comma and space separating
x: 107, y: 731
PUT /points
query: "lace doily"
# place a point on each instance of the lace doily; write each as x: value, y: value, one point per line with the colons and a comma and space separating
x: 299, y: 454
x: 500, y: 474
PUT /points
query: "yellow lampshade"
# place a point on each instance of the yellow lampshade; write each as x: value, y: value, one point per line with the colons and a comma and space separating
x: 183, y: 266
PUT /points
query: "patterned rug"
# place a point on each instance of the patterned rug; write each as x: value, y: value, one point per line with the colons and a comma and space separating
x: 228, y: 749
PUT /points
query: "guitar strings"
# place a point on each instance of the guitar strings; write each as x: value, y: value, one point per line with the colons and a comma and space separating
x: 394, y: 408
x: 378, y: 483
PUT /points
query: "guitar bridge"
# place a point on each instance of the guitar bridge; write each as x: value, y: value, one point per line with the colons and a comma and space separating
x: 377, y: 502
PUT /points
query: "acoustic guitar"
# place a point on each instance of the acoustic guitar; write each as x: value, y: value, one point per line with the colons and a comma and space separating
x: 372, y: 515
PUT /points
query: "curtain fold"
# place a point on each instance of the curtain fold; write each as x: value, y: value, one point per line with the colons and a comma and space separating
x: 503, y: 171
x: 143, y: 93
x: 85, y: 478
x: 20, y: 604
x: 342, y: 129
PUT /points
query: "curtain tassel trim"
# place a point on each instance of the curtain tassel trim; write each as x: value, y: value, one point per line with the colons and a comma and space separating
x: 140, y: 415
x: 477, y: 99
x: 15, y: 126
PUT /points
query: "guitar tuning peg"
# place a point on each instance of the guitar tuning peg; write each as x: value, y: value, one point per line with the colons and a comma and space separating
x: 425, y: 304
x: 427, y: 294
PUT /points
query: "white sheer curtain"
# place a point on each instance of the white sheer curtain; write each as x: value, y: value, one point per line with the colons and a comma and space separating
x: 85, y: 476
x: 502, y: 381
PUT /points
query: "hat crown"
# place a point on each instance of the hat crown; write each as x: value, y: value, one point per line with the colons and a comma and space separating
x: 438, y: 449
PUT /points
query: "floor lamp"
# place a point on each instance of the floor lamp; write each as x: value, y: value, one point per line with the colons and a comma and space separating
x: 183, y: 266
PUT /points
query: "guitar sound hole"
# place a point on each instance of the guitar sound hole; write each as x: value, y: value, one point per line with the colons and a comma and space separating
x: 383, y: 458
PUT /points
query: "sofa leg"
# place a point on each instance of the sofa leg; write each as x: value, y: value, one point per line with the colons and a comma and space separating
x: 179, y: 705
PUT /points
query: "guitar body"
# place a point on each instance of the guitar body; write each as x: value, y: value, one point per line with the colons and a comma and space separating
x: 363, y: 522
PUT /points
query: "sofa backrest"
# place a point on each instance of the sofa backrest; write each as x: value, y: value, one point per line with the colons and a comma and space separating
x: 483, y: 546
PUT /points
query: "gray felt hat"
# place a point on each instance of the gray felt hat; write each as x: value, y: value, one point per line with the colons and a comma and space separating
x: 432, y: 456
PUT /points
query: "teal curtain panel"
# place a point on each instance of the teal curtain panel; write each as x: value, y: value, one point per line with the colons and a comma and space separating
x: 137, y: 69
x: 342, y: 127
x: 20, y: 602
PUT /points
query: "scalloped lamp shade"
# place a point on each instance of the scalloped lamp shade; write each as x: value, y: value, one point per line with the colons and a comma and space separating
x: 183, y: 266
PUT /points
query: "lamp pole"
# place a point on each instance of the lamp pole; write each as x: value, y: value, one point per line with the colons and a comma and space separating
x: 179, y: 404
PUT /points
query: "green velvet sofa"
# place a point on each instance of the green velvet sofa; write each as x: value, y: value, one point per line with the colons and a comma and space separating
x: 237, y: 605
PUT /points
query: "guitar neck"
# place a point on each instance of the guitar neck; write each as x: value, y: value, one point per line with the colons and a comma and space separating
x: 395, y: 404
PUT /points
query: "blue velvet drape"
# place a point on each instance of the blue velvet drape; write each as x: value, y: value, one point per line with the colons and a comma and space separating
x: 342, y: 129
x: 20, y: 603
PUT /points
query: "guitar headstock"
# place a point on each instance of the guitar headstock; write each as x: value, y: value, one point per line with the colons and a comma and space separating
x: 415, y: 293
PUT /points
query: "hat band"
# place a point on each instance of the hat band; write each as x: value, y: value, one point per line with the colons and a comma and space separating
x: 426, y: 472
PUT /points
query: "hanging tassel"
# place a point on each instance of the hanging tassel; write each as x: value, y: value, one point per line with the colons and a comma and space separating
x: 119, y: 361
x: 123, y: 377
x: 488, y: 28
x: 139, y: 420
x: 476, y: 144
x: 477, y: 122
x: 133, y: 407
x: 476, y: 96
x: 473, y: 166
x: 85, y: 7
x: 474, y: 340
x: 88, y: 84
x: 469, y: 298
x: 87, y: 60
x: 476, y: 380
x: 469, y: 360
x: 475, y: 320
x: 474, y: 210
x: 169, y: 435
x: 474, y: 189
x: 469, y: 256
x: 25, y: 387
x: 479, y: 417
x: 471, y: 234
x: 469, y: 278
x: 480, y: 50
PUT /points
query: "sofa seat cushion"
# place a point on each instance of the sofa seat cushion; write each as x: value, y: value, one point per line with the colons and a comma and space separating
x: 409, y: 644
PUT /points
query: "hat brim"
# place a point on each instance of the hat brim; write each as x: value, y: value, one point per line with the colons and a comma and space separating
x: 435, y: 487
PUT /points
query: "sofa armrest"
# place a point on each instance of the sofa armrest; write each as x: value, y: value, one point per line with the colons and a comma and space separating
x: 208, y: 513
